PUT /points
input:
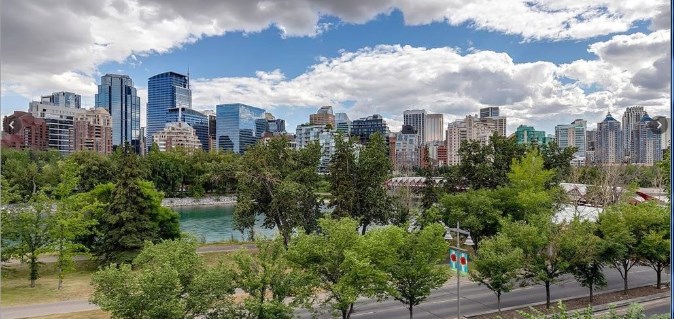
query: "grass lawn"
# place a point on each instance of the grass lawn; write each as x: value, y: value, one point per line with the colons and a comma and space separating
x: 16, y: 288
x: 94, y: 314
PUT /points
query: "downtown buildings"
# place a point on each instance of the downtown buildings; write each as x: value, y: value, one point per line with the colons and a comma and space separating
x: 235, y: 126
x: 118, y: 96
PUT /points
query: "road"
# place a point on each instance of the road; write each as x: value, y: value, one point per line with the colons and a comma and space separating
x: 441, y: 304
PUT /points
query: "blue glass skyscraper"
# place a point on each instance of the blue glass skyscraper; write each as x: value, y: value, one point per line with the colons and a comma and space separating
x: 117, y: 95
x: 166, y: 92
x: 235, y: 126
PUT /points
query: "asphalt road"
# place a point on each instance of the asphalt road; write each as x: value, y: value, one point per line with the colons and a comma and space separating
x: 475, y: 299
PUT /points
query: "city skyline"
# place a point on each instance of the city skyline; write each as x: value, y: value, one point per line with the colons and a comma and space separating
x: 446, y: 59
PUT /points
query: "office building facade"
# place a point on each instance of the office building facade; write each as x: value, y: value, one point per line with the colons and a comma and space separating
x: 492, y: 111
x: 572, y: 135
x: 363, y: 128
x: 64, y: 99
x: 168, y: 94
x: 177, y: 135
x: 118, y: 96
x: 235, y: 126
x: 435, y: 128
x: 471, y: 128
x: 527, y: 135
x: 324, y: 116
x: 416, y: 119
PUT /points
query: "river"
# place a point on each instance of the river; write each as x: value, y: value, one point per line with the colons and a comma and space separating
x: 215, y: 224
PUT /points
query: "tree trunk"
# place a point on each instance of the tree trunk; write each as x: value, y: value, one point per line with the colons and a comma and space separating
x: 498, y: 299
x: 33, y: 270
x: 411, y: 310
x: 547, y: 294
x: 659, y: 284
x: 365, y: 224
x: 60, y: 274
x: 591, y: 292
x: 625, y: 282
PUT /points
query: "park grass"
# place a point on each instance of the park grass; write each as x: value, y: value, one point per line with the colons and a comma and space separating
x: 93, y: 314
x: 16, y: 288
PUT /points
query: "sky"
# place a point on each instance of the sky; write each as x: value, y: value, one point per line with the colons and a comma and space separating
x: 543, y: 62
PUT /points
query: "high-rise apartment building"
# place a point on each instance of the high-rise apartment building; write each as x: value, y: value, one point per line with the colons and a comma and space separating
x: 60, y: 121
x: 631, y: 119
x: 64, y: 99
x: 168, y: 97
x: 647, y: 142
x: 491, y: 115
x: 609, y: 145
x: 416, y: 119
x: 177, y: 134
x: 364, y: 127
x: 118, y: 96
x: 469, y: 129
x: 235, y: 126
x: 591, y: 146
x: 92, y: 131
x: 407, y: 149
x: 324, y: 116
x: 22, y: 130
x: 342, y: 123
x: 435, y: 127
x: 572, y: 135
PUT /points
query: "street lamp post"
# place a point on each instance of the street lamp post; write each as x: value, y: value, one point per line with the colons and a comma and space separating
x: 469, y: 242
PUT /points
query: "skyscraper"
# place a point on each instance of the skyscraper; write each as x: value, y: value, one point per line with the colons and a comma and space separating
x: 235, y: 126
x: 434, y: 128
x: 491, y: 114
x: 609, y: 146
x: 168, y: 97
x: 117, y: 95
x: 631, y: 119
x: 65, y: 99
x: 647, y: 143
x: 92, y: 130
x: 527, y: 134
x: 469, y: 129
x: 417, y: 119
x: 572, y: 135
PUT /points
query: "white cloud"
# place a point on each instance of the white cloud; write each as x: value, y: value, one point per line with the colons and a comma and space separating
x: 39, y: 53
x: 388, y: 79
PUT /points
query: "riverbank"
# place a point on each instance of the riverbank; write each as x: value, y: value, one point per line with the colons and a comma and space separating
x: 203, y: 201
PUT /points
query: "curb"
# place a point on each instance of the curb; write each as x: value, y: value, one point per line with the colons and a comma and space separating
x: 596, y: 308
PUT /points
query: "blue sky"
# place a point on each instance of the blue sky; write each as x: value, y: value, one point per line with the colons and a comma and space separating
x: 539, y: 78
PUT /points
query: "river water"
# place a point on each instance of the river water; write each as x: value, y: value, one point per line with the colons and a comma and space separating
x: 215, y: 223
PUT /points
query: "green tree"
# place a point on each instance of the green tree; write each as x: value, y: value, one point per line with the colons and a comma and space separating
x: 413, y: 261
x: 171, y: 281
x: 27, y: 232
x: 651, y: 229
x: 665, y: 166
x: 343, y: 177
x: 279, y: 183
x: 498, y: 265
x: 429, y: 194
x: 337, y: 264
x: 477, y: 210
x: 557, y: 160
x: 268, y: 280
x: 69, y: 225
x: 539, y: 238
x: 486, y: 166
x: 133, y: 215
x: 93, y: 169
x: 616, y: 227
x: 586, y: 253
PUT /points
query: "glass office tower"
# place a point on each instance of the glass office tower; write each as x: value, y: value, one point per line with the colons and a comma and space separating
x: 117, y: 95
x: 235, y: 126
x: 166, y: 92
